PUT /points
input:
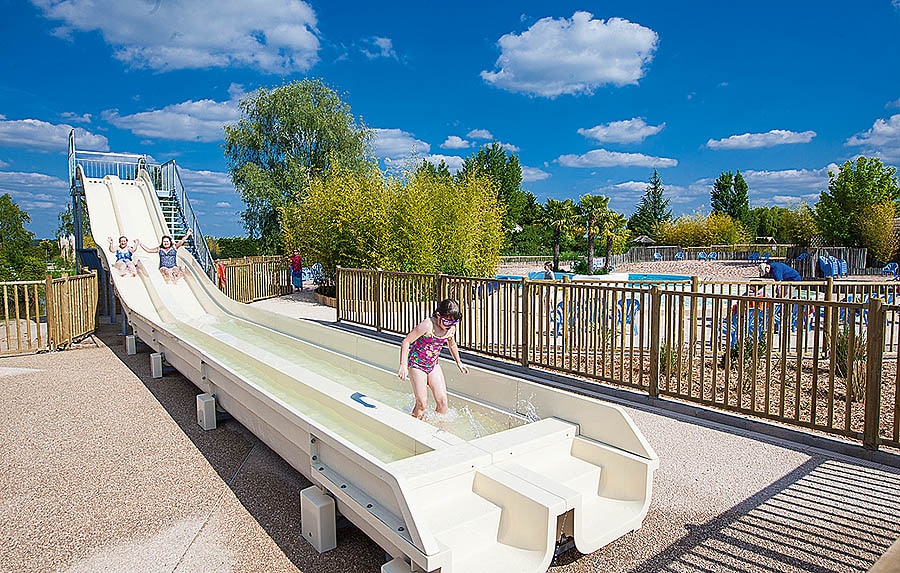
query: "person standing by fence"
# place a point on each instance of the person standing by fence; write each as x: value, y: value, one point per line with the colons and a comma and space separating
x: 296, y: 263
x: 419, y: 354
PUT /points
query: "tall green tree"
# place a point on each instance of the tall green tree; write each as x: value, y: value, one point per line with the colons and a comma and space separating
x: 652, y: 210
x: 721, y: 198
x: 730, y: 195
x: 18, y: 260
x: 285, y: 138
x: 562, y: 218
x: 851, y: 194
x: 14, y: 237
x: 495, y: 162
x: 741, y: 202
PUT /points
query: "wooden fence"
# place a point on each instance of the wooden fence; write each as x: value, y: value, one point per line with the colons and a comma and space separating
x: 808, y: 267
x: 798, y: 356
x: 255, y: 278
x: 49, y: 314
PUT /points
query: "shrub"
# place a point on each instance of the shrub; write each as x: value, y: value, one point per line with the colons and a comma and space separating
x: 700, y: 230
x: 855, y: 378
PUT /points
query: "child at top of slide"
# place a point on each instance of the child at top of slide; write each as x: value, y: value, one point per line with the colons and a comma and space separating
x: 419, y: 353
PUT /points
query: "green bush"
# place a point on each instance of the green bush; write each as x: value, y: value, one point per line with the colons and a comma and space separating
x: 700, y: 230
x: 236, y: 247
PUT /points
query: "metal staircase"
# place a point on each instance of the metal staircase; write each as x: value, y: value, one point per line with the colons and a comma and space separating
x: 173, y: 200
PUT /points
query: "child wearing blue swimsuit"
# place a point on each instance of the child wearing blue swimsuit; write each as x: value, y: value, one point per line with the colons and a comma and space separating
x: 124, y: 253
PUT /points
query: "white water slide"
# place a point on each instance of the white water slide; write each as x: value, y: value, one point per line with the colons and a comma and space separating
x: 515, y: 466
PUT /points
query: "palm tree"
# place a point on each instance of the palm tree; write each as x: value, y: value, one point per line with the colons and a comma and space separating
x: 562, y: 217
x: 592, y: 209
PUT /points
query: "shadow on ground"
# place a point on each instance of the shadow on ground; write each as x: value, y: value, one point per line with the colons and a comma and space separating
x: 266, y: 485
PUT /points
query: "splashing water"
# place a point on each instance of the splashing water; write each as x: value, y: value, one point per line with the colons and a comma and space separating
x: 526, y: 408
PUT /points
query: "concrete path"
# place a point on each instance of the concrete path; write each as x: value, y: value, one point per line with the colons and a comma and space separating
x: 105, y: 469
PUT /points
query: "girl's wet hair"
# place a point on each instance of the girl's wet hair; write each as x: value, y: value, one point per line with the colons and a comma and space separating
x: 448, y: 308
x: 123, y: 237
x: 163, y: 240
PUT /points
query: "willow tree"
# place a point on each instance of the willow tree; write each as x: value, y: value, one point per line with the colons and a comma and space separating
x: 287, y: 137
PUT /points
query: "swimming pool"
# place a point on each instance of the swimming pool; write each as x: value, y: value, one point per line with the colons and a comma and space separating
x: 649, y: 277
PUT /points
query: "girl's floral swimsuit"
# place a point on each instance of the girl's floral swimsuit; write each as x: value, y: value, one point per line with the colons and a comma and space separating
x: 425, y: 350
x: 123, y: 255
x: 167, y: 257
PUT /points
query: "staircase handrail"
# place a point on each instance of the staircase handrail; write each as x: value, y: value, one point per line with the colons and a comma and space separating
x: 171, y: 181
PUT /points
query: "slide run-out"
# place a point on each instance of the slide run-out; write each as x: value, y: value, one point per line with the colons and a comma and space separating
x: 515, y: 466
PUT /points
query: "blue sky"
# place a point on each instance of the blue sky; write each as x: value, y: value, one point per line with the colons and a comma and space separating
x: 591, y: 96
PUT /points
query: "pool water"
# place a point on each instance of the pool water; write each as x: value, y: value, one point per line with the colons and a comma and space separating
x: 642, y: 277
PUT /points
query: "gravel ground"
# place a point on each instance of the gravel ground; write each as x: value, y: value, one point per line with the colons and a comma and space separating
x: 104, y: 469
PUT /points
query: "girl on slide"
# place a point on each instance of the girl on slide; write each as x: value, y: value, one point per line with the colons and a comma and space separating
x: 123, y: 253
x: 419, y: 355
x: 168, y: 253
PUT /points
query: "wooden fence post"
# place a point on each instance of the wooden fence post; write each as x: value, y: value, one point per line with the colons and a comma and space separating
x: 66, y: 310
x: 655, y: 316
x: 874, y: 358
x: 830, y: 313
x: 337, y: 292
x: 526, y: 320
x: 695, y: 288
x: 52, y: 322
x: 379, y: 284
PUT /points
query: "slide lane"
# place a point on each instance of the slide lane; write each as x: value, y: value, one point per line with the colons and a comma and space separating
x: 488, y: 486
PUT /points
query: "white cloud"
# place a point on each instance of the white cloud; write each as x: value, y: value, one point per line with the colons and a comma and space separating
x: 38, y: 135
x: 43, y: 196
x: 380, y: 48
x: 896, y: 102
x: 881, y: 140
x: 454, y: 162
x: 187, y: 121
x: 205, y: 182
x: 633, y: 130
x: 533, y: 174
x: 83, y: 118
x: 3, y: 164
x: 572, y: 56
x: 277, y: 36
x: 757, y: 140
x: 223, y: 204
x: 480, y: 134
x: 786, y: 187
x: 397, y: 144
x: 509, y: 147
x: 456, y: 142
x: 604, y: 158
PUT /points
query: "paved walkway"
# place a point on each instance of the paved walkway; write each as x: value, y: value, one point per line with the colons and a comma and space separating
x: 105, y: 469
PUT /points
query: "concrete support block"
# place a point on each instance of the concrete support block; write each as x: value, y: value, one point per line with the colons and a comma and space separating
x: 131, y: 345
x: 317, y: 519
x: 206, y: 411
x: 396, y: 565
x: 156, y: 365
